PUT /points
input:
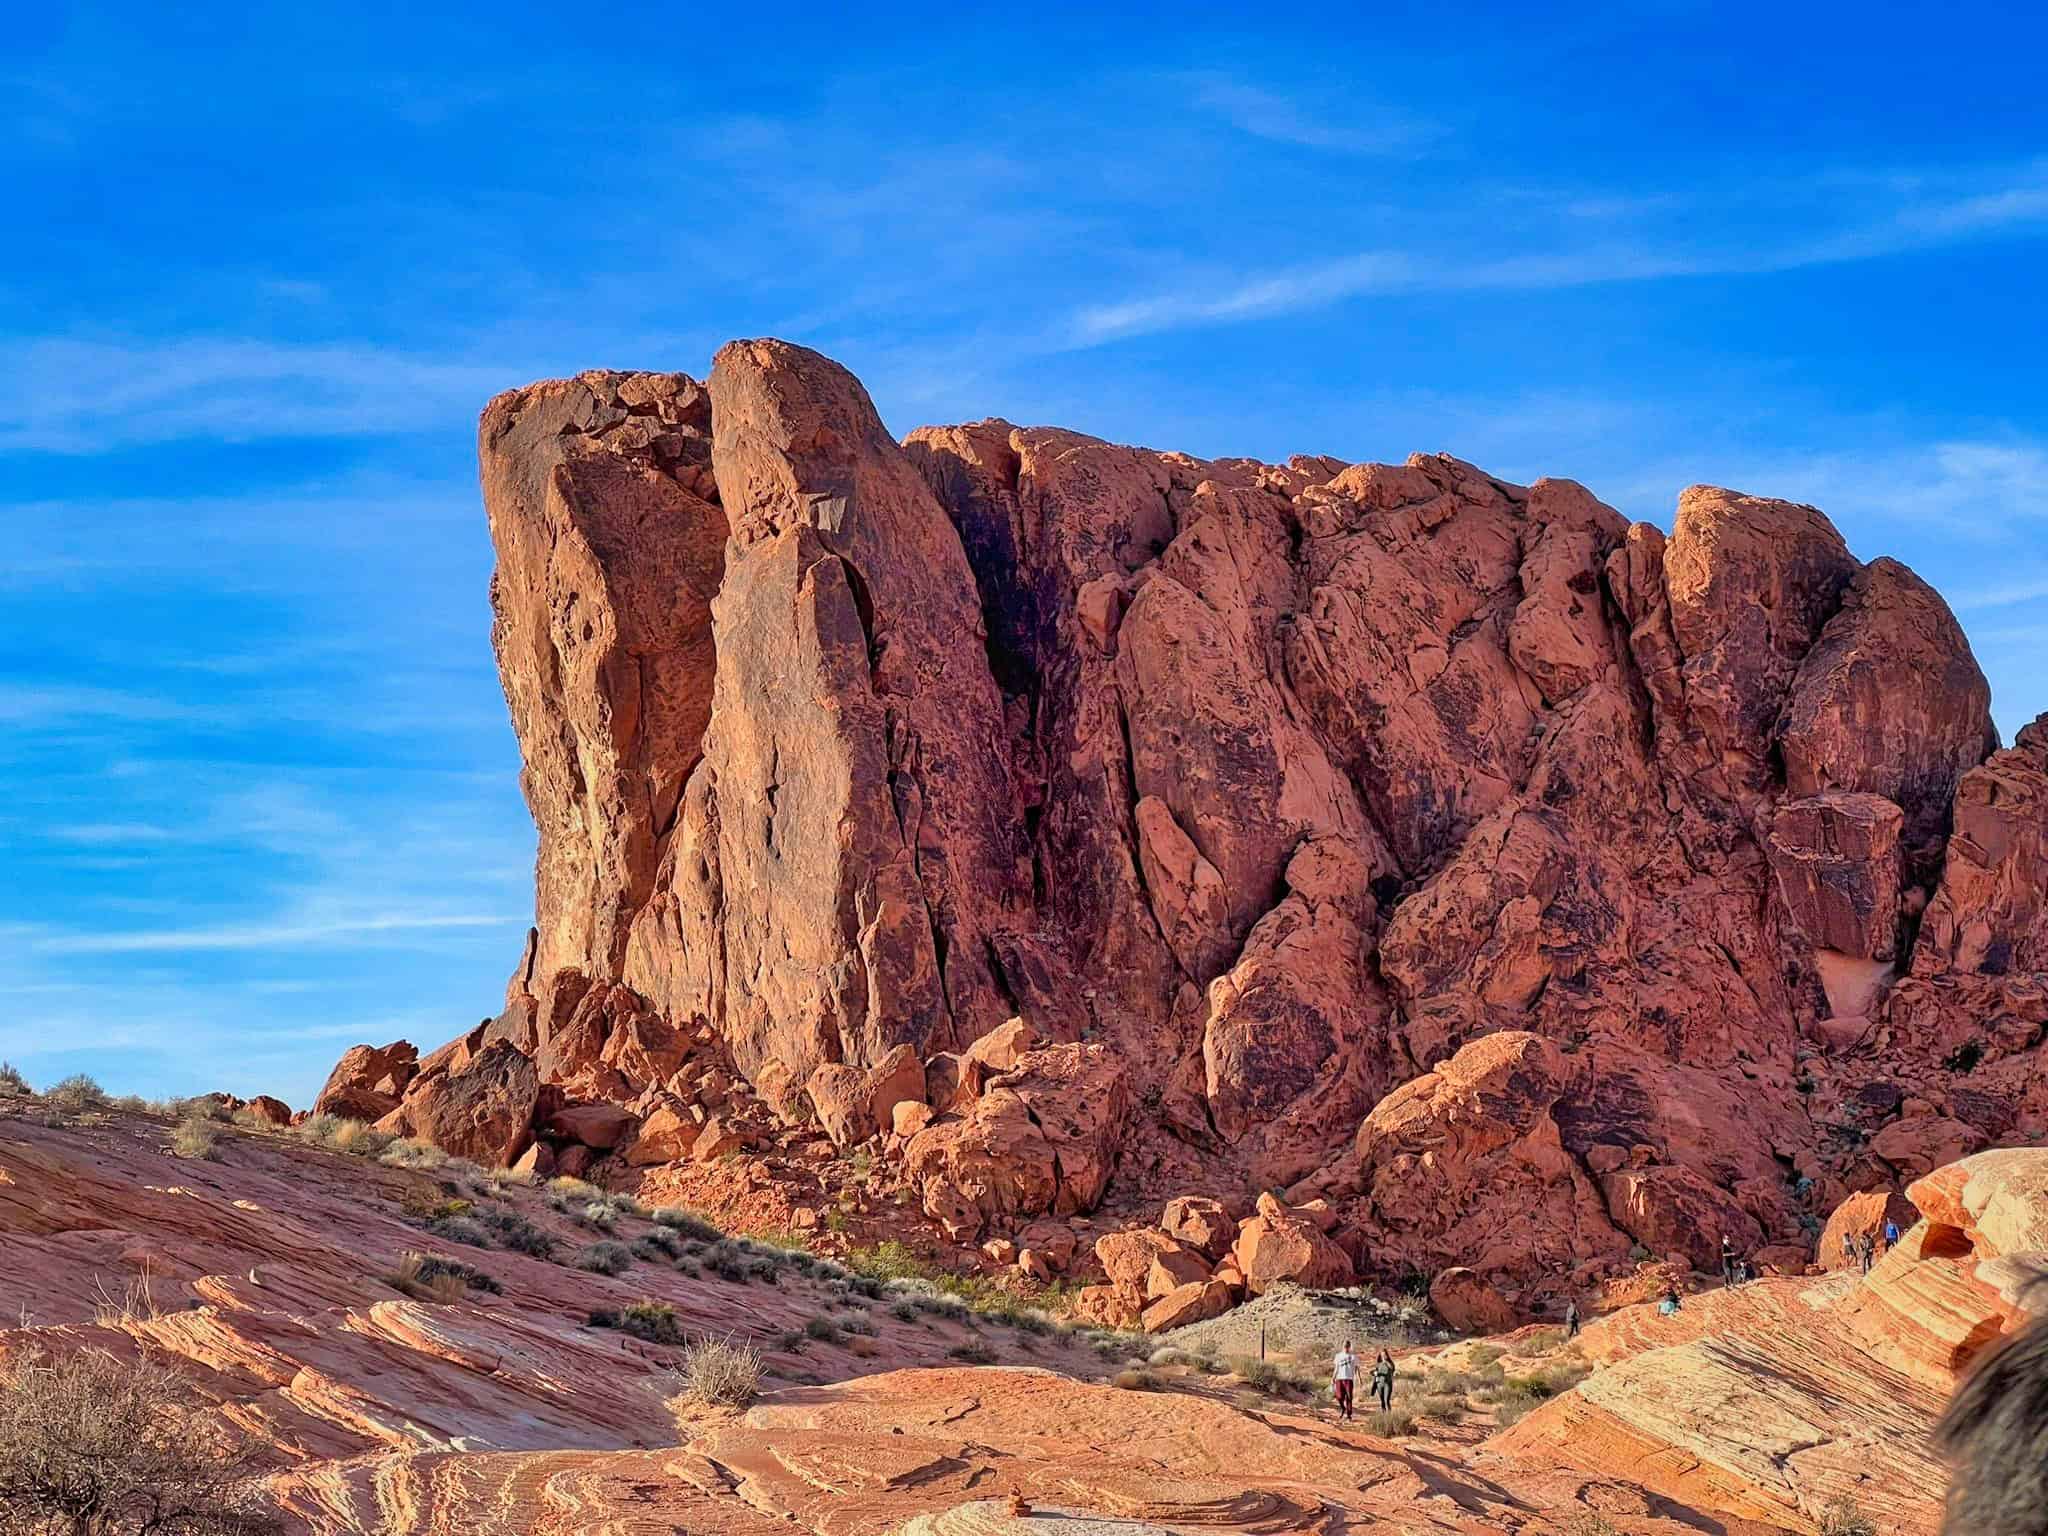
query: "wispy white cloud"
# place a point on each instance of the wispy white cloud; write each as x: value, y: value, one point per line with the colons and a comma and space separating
x: 1347, y: 126
x: 112, y: 833
x: 289, y: 935
x: 61, y: 394
x: 44, y: 704
x: 1914, y: 219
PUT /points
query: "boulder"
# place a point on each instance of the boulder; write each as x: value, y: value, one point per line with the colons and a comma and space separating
x: 1127, y: 1257
x: 1279, y: 1244
x: 1199, y: 1222
x: 666, y: 1136
x: 1041, y: 1139
x: 1467, y: 1163
x: 1002, y: 1048
x: 1468, y: 1303
x: 485, y: 1112
x: 844, y: 1102
x: 897, y: 1079
x: 601, y: 1127
x: 1920, y: 1144
x: 368, y: 1080
x: 1172, y: 1269
x: 1184, y: 1304
x: 270, y: 1111
x: 1107, y: 1306
x: 1670, y: 1209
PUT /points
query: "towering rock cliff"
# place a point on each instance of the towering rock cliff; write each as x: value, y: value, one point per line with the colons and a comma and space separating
x: 1257, y: 791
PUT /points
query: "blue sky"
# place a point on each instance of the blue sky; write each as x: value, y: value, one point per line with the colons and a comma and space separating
x: 258, y: 795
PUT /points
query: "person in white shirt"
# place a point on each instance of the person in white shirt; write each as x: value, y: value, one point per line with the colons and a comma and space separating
x: 1344, y: 1378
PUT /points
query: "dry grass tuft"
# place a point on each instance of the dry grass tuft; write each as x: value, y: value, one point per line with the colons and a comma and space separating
x: 716, y: 1373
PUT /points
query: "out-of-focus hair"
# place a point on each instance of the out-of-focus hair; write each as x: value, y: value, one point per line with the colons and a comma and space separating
x: 1995, y: 1435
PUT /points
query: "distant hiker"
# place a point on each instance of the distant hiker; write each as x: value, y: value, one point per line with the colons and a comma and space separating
x: 1727, y: 1260
x: 1383, y: 1380
x: 1848, y: 1248
x: 1571, y: 1320
x: 1865, y: 1251
x: 1670, y: 1303
x: 1891, y: 1234
x: 1742, y: 1272
x: 1344, y: 1378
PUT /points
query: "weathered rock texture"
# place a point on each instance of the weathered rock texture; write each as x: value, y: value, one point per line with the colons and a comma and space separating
x: 1279, y: 786
x: 1773, y: 1401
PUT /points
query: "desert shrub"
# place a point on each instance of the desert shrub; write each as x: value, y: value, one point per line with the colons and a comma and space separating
x: 509, y: 1178
x: 1843, y: 1518
x: 1542, y: 1342
x: 12, y: 1084
x: 106, y: 1447
x: 1137, y: 1379
x: 1447, y: 1407
x: 404, y: 1152
x: 433, y: 1265
x: 75, y: 1094
x: 127, y: 1103
x: 686, y: 1223
x: 973, y: 1352
x: 903, y: 1311
x: 1482, y: 1355
x: 1264, y: 1375
x: 605, y: 1258
x: 357, y: 1138
x: 660, y: 1243
x: 720, y: 1373
x: 823, y: 1329
x: 890, y: 1260
x: 573, y: 1188
x: 1514, y: 1404
x: 783, y: 1238
x: 654, y: 1321
x: 1587, y: 1523
x: 194, y: 1136
x: 1391, y: 1424
x: 515, y: 1232
x: 457, y: 1228
x: 1550, y: 1380
x: 425, y: 1279
x: 1168, y: 1355
x: 1437, y: 1382
x: 602, y: 1214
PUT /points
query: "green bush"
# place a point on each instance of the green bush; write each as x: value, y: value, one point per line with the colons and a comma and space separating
x: 973, y: 1352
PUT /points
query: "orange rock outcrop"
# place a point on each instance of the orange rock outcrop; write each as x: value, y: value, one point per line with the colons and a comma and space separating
x: 1275, y: 801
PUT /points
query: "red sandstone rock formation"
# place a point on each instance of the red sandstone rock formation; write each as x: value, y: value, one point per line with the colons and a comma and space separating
x: 1668, y: 873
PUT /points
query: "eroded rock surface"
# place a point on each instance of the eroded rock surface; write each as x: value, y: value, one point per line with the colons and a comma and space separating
x: 1278, y: 786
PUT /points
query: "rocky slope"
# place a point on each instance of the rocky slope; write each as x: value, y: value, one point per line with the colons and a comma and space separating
x: 264, y: 1275
x: 1528, y: 885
